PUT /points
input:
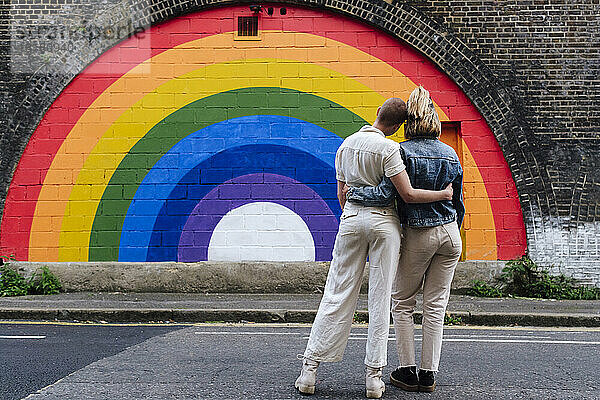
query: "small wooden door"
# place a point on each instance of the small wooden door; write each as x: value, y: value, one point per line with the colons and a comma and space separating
x: 451, y: 136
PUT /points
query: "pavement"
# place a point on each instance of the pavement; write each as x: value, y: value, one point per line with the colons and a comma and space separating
x: 284, y: 308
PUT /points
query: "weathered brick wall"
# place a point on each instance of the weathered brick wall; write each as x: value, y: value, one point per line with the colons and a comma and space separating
x: 532, y: 71
x: 546, y: 55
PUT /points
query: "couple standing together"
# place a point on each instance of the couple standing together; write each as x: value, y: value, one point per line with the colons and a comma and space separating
x: 371, y: 172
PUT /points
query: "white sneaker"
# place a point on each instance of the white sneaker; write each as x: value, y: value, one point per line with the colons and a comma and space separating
x: 374, y: 384
x: 308, y: 376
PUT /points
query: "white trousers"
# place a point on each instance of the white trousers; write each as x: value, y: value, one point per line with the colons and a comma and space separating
x: 364, y: 231
x: 428, y: 258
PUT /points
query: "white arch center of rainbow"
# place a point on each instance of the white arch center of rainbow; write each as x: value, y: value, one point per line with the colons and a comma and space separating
x: 261, y: 231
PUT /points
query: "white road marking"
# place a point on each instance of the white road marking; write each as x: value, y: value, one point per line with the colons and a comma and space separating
x: 523, y: 341
x: 249, y: 333
x: 357, y: 335
x: 473, y: 340
x: 22, y: 337
x: 451, y: 338
x: 499, y: 336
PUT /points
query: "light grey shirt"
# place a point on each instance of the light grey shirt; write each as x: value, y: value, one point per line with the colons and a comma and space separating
x: 366, y: 156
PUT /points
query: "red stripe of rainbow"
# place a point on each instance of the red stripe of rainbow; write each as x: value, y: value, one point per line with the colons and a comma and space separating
x: 85, y: 88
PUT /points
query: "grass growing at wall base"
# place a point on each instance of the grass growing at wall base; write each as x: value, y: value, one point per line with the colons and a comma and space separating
x: 523, y: 278
x: 450, y: 319
x: 41, y: 282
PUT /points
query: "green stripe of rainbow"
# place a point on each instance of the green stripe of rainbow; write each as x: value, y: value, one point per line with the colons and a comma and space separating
x: 193, y: 117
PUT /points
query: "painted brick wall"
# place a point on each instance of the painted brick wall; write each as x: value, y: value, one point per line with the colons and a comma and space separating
x: 532, y: 71
x: 332, y: 87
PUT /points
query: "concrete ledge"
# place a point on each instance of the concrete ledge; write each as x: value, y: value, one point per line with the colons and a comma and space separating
x: 203, y: 277
x: 281, y: 316
x: 467, y: 271
x: 523, y: 319
x: 217, y: 277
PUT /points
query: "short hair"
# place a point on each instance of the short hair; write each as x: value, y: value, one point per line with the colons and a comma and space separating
x: 423, y: 121
x: 392, y: 112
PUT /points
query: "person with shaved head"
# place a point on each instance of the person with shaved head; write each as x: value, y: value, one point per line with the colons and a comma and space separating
x: 363, y: 160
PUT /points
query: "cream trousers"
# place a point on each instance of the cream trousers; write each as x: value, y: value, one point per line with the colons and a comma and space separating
x: 364, y: 231
x: 428, y: 257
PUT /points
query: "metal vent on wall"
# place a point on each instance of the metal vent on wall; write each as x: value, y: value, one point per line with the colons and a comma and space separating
x: 248, y: 27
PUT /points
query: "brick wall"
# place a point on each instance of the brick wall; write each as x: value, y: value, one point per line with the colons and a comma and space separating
x: 546, y: 56
x: 531, y: 70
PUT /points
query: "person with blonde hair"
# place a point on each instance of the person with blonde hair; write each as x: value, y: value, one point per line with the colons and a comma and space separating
x: 431, y: 243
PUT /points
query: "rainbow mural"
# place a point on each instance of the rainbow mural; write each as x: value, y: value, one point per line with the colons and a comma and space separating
x: 169, y: 147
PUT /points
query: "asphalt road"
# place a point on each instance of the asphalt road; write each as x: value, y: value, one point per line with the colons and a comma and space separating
x: 33, y: 356
x: 253, y: 361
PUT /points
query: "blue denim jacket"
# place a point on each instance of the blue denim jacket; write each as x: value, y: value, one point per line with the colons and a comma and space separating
x: 430, y: 164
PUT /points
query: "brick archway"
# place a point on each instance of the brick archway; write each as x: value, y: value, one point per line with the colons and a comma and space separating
x: 400, y: 20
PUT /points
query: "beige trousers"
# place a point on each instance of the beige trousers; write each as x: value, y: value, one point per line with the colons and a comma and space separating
x: 364, y: 231
x: 428, y: 258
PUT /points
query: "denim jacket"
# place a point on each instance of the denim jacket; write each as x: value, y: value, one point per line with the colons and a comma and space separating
x: 430, y: 164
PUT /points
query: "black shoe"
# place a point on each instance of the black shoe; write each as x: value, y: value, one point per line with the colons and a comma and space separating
x: 405, y: 378
x: 426, y: 381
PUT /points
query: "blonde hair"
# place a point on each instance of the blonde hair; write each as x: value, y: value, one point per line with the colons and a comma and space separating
x: 423, y: 121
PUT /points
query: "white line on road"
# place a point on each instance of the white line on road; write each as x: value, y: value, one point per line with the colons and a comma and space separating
x: 359, y: 335
x: 22, y: 337
x: 500, y: 336
x: 391, y: 338
x: 523, y: 341
x: 249, y: 333
x: 508, y: 339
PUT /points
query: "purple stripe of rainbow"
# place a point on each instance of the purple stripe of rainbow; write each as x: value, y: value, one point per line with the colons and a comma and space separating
x: 302, y: 200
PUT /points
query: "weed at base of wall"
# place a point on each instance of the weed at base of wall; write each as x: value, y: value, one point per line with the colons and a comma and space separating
x: 523, y: 278
x: 11, y: 283
x: 43, y: 282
